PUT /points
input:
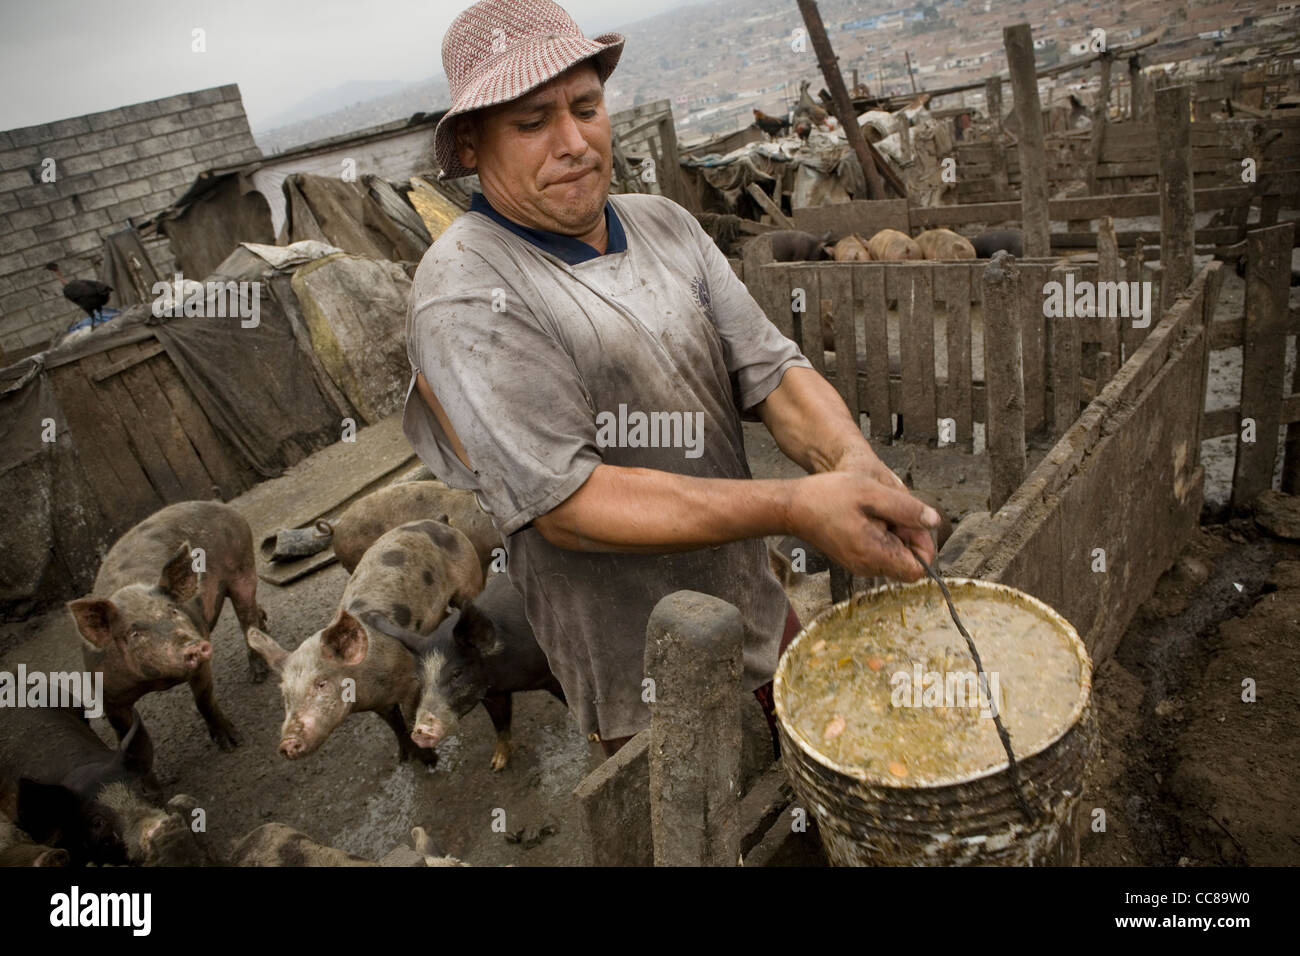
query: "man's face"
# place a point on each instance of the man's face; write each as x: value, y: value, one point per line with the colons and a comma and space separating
x: 544, y: 159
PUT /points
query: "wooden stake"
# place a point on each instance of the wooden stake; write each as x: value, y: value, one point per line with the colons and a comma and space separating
x: 1177, y: 199
x: 1019, y: 43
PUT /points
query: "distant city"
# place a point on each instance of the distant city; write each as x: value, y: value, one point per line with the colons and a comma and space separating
x: 718, y: 61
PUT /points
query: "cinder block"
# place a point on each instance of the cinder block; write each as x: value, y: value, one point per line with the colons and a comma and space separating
x: 171, y: 104
x: 209, y: 151
x: 6, y: 141
x: 168, y: 124
x: 15, y: 179
x: 69, y: 186
x: 230, y: 91
x: 187, y: 137
x: 119, y: 154
x: 140, y: 111
x: 61, y: 209
x: 11, y: 263
x: 69, y: 127
x: 200, y: 116
x: 19, y: 158
x: 33, y: 278
x: 50, y: 232
x: 171, y: 179
x: 228, y: 128
x: 76, y: 245
x: 17, y: 240
x: 103, y: 139
x: 93, y: 220
x: 98, y: 198
x: 133, y: 190
x: 17, y: 301
x: 74, y: 165
x: 9, y: 201
x: 24, y: 218
x: 122, y: 211
x: 113, y: 176
x: 29, y: 135
x: 178, y: 158
x: 228, y: 110
x: 106, y: 120
x: 207, y: 97
x: 154, y: 146
x: 29, y: 197
x: 131, y: 133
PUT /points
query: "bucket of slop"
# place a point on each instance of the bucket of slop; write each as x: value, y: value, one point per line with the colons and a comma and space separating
x: 888, y: 737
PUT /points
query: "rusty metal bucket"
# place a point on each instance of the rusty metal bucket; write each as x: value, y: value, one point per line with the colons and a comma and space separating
x: 974, y: 819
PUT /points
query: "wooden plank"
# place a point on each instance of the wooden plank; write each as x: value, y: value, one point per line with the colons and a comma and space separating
x: 1003, y: 371
x: 1107, y: 271
x: 1033, y: 340
x: 140, y: 440
x: 142, y: 386
x: 953, y: 284
x: 912, y: 286
x: 221, y: 461
x: 767, y: 205
x: 837, y: 291
x: 1177, y: 201
x: 103, y: 448
x: 865, y: 217
x: 1131, y: 336
x: 768, y: 284
x: 869, y: 291
x: 805, y: 284
x: 1263, y: 358
x: 1064, y: 335
x: 145, y: 353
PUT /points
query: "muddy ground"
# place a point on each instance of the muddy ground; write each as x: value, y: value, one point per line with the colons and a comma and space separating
x: 1187, y: 772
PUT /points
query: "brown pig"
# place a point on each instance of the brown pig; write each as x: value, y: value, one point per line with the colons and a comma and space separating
x: 890, y: 245
x: 405, y: 582
x: 147, y: 622
x: 369, y: 517
x: 945, y: 244
x: 851, y: 249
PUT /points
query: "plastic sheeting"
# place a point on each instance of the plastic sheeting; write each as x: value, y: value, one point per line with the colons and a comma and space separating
x: 366, y: 218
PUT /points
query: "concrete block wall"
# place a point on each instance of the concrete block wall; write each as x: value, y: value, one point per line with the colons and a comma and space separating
x: 119, y: 164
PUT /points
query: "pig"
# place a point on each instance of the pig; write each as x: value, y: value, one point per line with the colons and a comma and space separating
x: 945, y: 244
x: 275, y: 844
x: 851, y: 249
x: 792, y: 245
x: 147, y: 621
x: 484, y: 655
x: 404, y: 582
x: 890, y: 245
x: 64, y: 786
x: 992, y: 240
x: 369, y: 517
x: 17, y: 849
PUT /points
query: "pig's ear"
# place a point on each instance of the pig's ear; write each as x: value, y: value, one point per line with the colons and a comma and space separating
x: 179, y: 579
x: 265, y: 645
x: 345, y: 640
x: 94, y: 619
x: 475, y: 630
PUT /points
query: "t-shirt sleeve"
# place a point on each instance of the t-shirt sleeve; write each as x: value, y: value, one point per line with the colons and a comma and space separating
x: 512, y: 394
x: 757, y: 354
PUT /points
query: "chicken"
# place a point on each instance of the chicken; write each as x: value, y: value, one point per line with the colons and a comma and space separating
x: 771, y: 125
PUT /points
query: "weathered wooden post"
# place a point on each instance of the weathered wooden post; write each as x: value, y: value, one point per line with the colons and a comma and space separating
x: 1019, y: 42
x: 1137, y: 90
x: 1263, y: 361
x: 1177, y: 196
x: 1004, y: 373
x: 1100, y: 117
x: 1108, y: 327
x: 993, y: 101
x: 693, y: 657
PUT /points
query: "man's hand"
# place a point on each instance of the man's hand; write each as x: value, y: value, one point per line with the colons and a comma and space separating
x: 862, y: 460
x: 881, y: 522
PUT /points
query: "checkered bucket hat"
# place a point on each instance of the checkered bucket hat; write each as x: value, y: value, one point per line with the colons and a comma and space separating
x: 498, y: 50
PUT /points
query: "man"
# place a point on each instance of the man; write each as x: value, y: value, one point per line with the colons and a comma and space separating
x: 583, y: 363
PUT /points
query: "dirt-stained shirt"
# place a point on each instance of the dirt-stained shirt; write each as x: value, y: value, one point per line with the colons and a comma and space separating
x: 647, y: 358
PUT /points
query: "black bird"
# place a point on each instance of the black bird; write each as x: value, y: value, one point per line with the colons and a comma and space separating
x: 88, y: 294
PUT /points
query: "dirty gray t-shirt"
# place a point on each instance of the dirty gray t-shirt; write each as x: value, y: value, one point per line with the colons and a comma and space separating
x: 545, y: 370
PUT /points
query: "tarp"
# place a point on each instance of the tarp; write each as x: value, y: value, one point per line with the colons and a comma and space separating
x: 366, y: 217
x: 261, y: 388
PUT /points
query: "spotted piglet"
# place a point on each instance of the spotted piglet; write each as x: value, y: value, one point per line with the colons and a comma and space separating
x: 405, y: 582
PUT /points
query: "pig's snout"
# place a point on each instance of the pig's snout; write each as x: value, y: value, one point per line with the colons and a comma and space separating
x: 428, y: 732
x: 196, y: 654
x: 292, y: 747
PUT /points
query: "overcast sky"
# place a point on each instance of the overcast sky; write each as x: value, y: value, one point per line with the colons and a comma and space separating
x: 61, y: 58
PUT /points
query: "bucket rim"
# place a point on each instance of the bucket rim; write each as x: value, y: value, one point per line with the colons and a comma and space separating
x: 861, y: 775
